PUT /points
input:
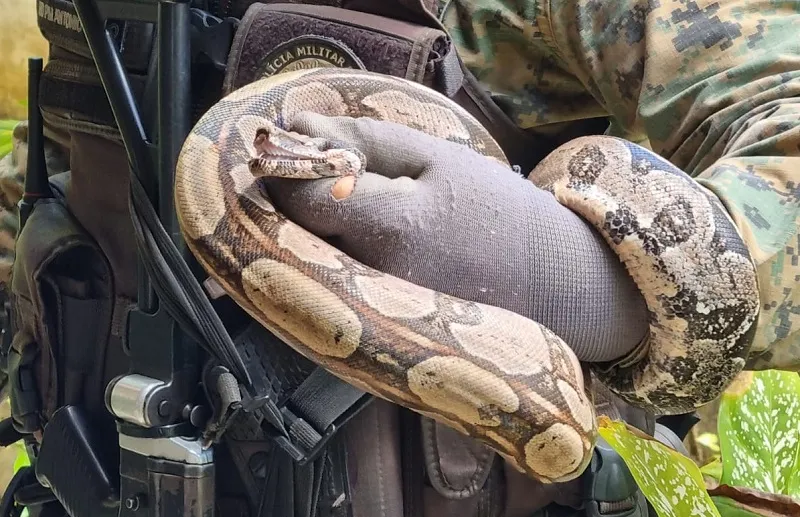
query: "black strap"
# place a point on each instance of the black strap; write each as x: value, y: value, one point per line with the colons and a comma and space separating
x: 493, y: 494
x: 59, y: 24
x: 335, y: 494
x: 277, y: 497
x: 300, y: 406
x: 449, y: 72
x: 413, y: 463
x: 317, y: 405
x: 314, y: 413
x: 71, y: 83
x: 22, y: 477
x: 285, y: 449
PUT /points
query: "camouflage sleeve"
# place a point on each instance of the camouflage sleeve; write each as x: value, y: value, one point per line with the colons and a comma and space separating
x: 715, y: 87
x: 12, y: 182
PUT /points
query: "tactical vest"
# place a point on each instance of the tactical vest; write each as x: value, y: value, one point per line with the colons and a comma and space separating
x: 74, y: 285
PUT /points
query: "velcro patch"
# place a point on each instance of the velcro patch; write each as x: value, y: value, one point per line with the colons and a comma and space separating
x: 305, y: 52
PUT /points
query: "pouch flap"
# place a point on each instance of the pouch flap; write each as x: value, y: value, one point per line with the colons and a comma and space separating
x: 275, y: 38
x: 62, y: 291
x: 457, y: 465
x: 49, y: 232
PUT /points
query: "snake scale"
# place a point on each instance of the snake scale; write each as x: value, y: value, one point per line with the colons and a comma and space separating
x: 487, y: 372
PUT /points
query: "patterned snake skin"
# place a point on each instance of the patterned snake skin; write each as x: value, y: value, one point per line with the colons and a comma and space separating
x: 487, y: 372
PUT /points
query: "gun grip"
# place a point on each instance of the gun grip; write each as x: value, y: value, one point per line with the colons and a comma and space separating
x: 72, y: 464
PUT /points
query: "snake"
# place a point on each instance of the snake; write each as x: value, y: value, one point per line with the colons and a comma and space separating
x: 489, y: 373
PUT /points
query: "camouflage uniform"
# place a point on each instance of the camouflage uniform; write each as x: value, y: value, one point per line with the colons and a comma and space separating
x: 12, y: 179
x: 714, y: 86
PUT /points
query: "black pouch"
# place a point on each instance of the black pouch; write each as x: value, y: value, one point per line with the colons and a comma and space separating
x: 62, y: 308
x: 278, y: 37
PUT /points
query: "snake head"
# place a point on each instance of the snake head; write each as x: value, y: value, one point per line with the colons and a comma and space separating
x: 275, y: 144
x: 280, y: 153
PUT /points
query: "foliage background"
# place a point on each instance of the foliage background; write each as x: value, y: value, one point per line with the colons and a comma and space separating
x: 19, y: 40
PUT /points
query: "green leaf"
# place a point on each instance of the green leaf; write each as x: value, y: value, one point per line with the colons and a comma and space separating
x: 713, y: 469
x: 7, y: 136
x: 671, y: 482
x: 22, y: 459
x: 759, y: 432
x: 8, y: 125
x: 709, y: 440
x: 730, y: 508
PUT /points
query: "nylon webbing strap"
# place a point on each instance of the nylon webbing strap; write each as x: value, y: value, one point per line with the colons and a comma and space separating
x: 449, y: 73
x: 319, y: 402
x: 60, y: 25
x: 72, y: 89
x: 72, y: 96
x: 298, y: 404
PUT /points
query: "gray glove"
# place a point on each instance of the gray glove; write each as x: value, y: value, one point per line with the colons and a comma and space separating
x: 444, y: 217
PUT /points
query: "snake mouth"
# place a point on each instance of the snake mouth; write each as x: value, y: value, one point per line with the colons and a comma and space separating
x: 268, y: 150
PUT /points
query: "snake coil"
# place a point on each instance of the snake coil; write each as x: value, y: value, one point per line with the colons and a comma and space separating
x: 485, y: 371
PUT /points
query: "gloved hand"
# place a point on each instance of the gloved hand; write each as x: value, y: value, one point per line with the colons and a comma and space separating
x: 444, y: 217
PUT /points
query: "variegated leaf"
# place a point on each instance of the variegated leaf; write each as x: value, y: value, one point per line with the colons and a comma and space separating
x: 759, y: 432
x: 713, y: 469
x: 670, y: 481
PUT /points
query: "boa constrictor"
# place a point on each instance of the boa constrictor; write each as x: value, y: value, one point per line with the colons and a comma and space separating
x: 487, y: 372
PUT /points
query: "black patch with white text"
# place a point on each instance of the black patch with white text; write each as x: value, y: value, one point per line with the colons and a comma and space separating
x: 305, y: 52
